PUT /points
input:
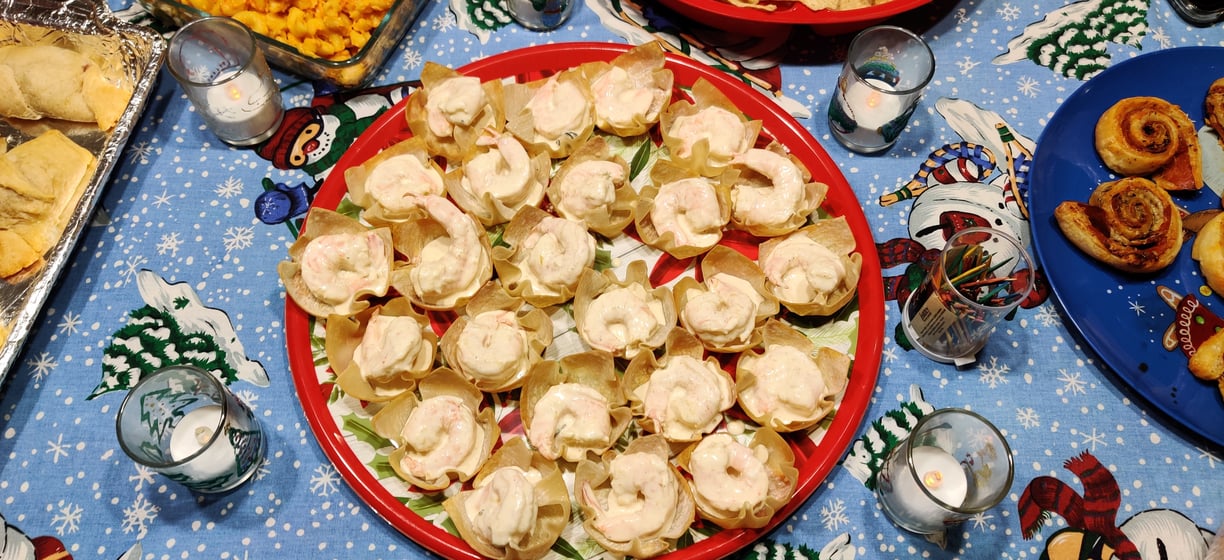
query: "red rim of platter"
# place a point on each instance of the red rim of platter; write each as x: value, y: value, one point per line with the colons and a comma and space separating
x: 813, y: 461
x: 723, y: 15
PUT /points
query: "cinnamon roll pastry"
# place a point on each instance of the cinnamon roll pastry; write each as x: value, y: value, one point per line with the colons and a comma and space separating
x: 1213, y: 109
x: 1129, y: 224
x: 1150, y: 136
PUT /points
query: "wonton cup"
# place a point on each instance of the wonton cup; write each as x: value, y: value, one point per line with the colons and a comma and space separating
x: 724, y: 260
x: 593, y: 285
x: 642, y: 370
x: 514, y: 270
x: 389, y: 422
x: 533, y: 329
x: 374, y: 211
x: 323, y: 223
x: 412, y: 238
x: 663, y: 174
x: 552, y: 504
x: 593, y: 484
x: 643, y: 68
x: 593, y: 369
x: 701, y: 158
x: 834, y: 370
x: 813, y: 196
x: 344, y: 337
x: 522, y: 121
x: 518, y: 177
x: 461, y: 140
x: 609, y: 220
x: 834, y: 234
x: 779, y: 463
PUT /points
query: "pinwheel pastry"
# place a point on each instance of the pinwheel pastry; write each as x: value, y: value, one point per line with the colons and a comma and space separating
x: 497, y: 340
x: 517, y: 507
x: 552, y: 116
x: 682, y: 213
x: 680, y: 395
x: 382, y: 351
x: 497, y: 179
x: 707, y: 134
x: 1148, y: 136
x: 1208, y: 250
x: 1213, y: 109
x: 813, y: 271
x: 634, y: 503
x: 389, y: 186
x: 772, y: 195
x: 740, y: 486
x: 574, y: 406
x: 337, y: 264
x: 786, y: 383
x: 1129, y: 224
x: 631, y: 91
x: 725, y: 308
x: 442, y: 436
x: 450, y: 110
x: 543, y: 257
x: 623, y: 317
x: 447, y: 256
x: 592, y: 186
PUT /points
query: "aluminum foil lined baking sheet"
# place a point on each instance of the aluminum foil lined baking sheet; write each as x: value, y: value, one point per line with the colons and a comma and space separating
x: 88, y: 27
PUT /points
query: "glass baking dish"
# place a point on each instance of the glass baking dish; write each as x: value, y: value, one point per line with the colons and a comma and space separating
x: 351, y: 73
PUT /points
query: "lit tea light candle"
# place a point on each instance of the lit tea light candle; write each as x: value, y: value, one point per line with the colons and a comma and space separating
x: 244, y: 106
x: 942, y: 475
x: 194, y: 435
x: 871, y: 106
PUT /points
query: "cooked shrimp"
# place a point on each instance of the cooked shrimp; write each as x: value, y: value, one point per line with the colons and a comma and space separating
x: 773, y: 205
x: 503, y: 509
x: 725, y: 313
x: 502, y: 173
x: 686, y: 398
x: 558, y: 107
x: 389, y: 347
x: 722, y: 129
x: 727, y: 474
x: 801, y: 270
x: 589, y: 189
x: 689, y: 209
x: 568, y: 420
x: 789, y: 385
x: 398, y: 183
x: 492, y: 347
x: 642, y: 499
x: 337, y: 267
x: 621, y: 103
x: 454, y: 101
x: 441, y: 434
x: 448, y: 264
x: 621, y: 317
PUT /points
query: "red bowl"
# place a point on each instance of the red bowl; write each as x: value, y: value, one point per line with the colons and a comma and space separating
x: 721, y: 15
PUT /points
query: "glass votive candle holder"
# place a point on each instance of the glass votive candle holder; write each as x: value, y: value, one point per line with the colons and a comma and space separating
x: 183, y: 423
x: 227, y: 79
x: 540, y: 15
x: 954, y: 465
x: 886, y: 70
x: 981, y: 275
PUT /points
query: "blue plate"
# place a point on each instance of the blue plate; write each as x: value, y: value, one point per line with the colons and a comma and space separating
x: 1120, y: 315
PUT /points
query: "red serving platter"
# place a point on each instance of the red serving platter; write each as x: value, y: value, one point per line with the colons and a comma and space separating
x: 720, y: 14
x: 814, y: 459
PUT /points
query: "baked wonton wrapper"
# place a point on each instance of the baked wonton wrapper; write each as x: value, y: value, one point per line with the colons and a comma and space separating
x: 774, y: 194
x: 497, y: 339
x: 574, y: 406
x: 518, y: 506
x: 631, y: 91
x: 623, y: 317
x: 762, y: 474
x: 815, y: 270
x: 389, y: 185
x: 545, y: 257
x: 634, y: 503
x: 724, y: 310
x: 381, y: 351
x: 592, y: 186
x: 683, y: 213
x: 337, y: 263
x: 447, y: 256
x: 706, y: 134
x: 680, y: 395
x: 552, y: 116
x: 450, y: 110
x: 497, y: 179
x: 442, y: 436
x: 786, y: 383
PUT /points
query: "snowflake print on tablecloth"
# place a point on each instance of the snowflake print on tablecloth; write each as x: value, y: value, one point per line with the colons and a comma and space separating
x: 138, y: 516
x: 237, y: 238
x: 131, y: 268
x: 966, y: 65
x: 70, y: 323
x: 833, y: 515
x: 1047, y: 316
x: 1028, y: 87
x: 1008, y: 12
x: 58, y: 449
x: 1092, y: 440
x: 170, y: 243
x: 162, y: 199
x: 981, y: 521
x: 412, y: 59
x: 1211, y: 457
x: 1073, y: 383
x: 993, y: 373
x: 229, y: 188
x: 41, y: 366
x: 1028, y: 417
x: 325, y: 481
x: 67, y: 519
x: 139, y: 152
x: 144, y: 475
x: 445, y: 22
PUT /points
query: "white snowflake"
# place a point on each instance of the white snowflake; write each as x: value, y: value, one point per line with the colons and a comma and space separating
x: 138, y: 516
x: 238, y: 238
x: 966, y: 64
x: 229, y: 188
x: 1028, y: 87
x: 162, y: 199
x: 264, y: 469
x: 994, y: 374
x: 42, y: 366
x: 325, y: 481
x: 143, y: 475
x: 1212, y: 458
x: 248, y: 397
x: 962, y: 16
x: 170, y: 243
x: 140, y: 152
x: 1028, y: 417
x: 57, y: 449
x: 982, y: 521
x: 1093, y: 439
x: 445, y: 22
x: 68, y: 520
x: 70, y: 323
x: 1158, y: 34
x: 131, y: 267
x: 833, y: 515
x: 1136, y: 307
x: 889, y: 354
x: 1047, y: 316
x: 1071, y: 383
x: 1008, y: 12
x: 412, y: 58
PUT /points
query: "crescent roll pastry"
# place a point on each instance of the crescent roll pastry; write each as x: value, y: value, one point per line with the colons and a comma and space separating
x: 80, y: 92
x: 1150, y: 136
x: 1208, y: 250
x: 1213, y: 108
x: 1129, y: 224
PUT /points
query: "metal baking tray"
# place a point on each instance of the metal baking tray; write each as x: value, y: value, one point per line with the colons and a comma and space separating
x: 346, y: 74
x: 88, y: 27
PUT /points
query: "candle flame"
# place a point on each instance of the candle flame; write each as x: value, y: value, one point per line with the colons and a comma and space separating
x: 233, y: 92
x: 873, y: 100
x: 933, y: 479
x: 202, y: 435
